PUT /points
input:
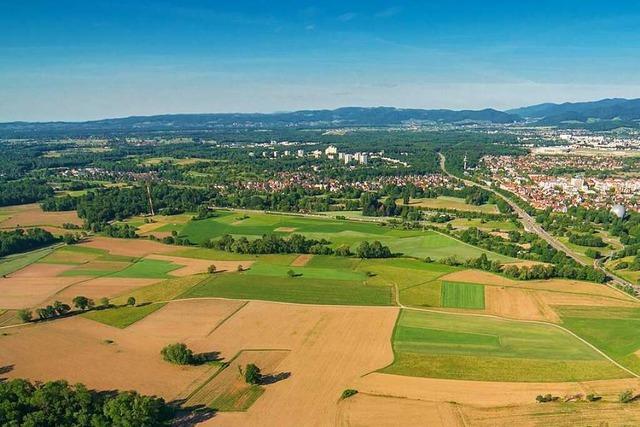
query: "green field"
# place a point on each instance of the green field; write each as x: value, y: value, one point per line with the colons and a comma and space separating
x: 301, y: 289
x: 148, y: 269
x: 483, y: 224
x: 457, y: 203
x: 614, y: 330
x: 15, y: 262
x: 121, y: 317
x: 462, y: 295
x: 439, y: 345
x: 414, y: 243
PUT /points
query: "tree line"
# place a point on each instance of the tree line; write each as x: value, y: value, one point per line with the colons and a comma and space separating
x: 21, y: 240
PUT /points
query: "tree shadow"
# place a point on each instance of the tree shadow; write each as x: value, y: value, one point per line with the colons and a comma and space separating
x: 211, y: 356
x: 191, y: 415
x: 5, y: 370
x: 273, y: 378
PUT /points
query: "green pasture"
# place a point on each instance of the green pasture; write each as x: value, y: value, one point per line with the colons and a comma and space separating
x: 483, y: 224
x: 121, y: 317
x: 148, y: 269
x: 614, y: 330
x: 15, y: 262
x: 413, y: 243
x: 447, y: 202
x: 262, y: 268
x: 300, y: 289
x: 462, y: 295
x: 439, y: 345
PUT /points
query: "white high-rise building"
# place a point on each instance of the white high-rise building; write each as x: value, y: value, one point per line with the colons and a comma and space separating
x: 300, y: 153
x: 348, y: 158
x: 331, y: 150
x: 363, y: 159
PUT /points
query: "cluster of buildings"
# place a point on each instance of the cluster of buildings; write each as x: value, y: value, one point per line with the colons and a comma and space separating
x: 331, y: 153
x: 311, y: 181
x: 531, y: 178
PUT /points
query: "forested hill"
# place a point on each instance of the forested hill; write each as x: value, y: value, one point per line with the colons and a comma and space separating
x: 348, y: 116
x: 614, y: 112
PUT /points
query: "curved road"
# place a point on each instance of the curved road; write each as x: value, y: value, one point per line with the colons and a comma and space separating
x: 531, y: 225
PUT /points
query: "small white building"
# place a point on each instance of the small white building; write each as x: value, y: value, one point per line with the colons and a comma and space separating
x: 331, y: 150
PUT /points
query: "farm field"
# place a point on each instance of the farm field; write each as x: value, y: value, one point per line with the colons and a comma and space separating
x: 462, y: 295
x: 250, y: 224
x: 455, y: 203
x: 31, y: 215
x: 483, y: 225
x: 442, y: 345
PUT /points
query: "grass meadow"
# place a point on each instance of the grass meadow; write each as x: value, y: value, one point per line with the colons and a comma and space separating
x: 462, y: 295
x: 453, y: 346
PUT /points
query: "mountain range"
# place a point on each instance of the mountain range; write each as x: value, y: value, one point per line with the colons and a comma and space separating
x: 602, y: 114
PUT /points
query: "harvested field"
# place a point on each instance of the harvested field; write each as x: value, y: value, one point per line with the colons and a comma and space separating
x: 103, y: 287
x: 41, y: 271
x: 482, y: 393
x: 227, y: 389
x: 171, y: 323
x: 199, y: 266
x: 285, y: 229
x: 301, y: 260
x: 128, y: 247
x: 32, y: 215
x: 75, y: 349
x: 369, y: 410
x: 9, y: 317
x: 478, y: 276
x: 340, y: 343
x: 517, y: 303
x: 24, y: 292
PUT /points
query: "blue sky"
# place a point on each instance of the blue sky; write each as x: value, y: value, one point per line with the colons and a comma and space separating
x: 77, y: 60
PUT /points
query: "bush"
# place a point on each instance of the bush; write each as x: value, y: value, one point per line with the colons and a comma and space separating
x: 25, y: 315
x: 131, y: 301
x: 291, y: 273
x: 626, y: 396
x: 252, y: 374
x: 348, y: 393
x: 593, y: 398
x: 546, y: 398
x: 178, y: 354
x: 211, y: 269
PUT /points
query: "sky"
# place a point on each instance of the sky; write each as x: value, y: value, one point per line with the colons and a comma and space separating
x: 82, y: 60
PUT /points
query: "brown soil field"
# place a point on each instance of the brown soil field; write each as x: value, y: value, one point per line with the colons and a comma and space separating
x: 149, y: 227
x: 75, y: 349
x: 128, y: 247
x: 286, y: 229
x: 517, y: 303
x: 26, y: 292
x: 330, y: 348
x: 32, y: 215
x: 301, y: 260
x: 559, y: 286
x: 103, y: 287
x: 186, y: 319
x: 363, y: 410
x: 41, y: 271
x: 478, y: 276
x: 199, y: 266
x: 482, y: 393
x: 230, y: 385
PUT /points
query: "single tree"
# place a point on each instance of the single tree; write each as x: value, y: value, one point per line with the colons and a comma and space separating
x: 178, y: 353
x: 252, y: 374
x: 240, y: 268
x: 211, y: 269
x: 81, y: 302
x: 291, y: 273
x: 25, y: 315
x: 131, y: 301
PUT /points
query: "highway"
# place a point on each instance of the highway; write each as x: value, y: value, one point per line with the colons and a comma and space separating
x: 532, y: 226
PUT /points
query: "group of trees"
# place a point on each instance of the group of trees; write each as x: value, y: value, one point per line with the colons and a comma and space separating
x: 374, y: 249
x: 586, y: 240
x: 20, y: 240
x: 271, y: 244
x: 23, y: 191
x: 56, y: 403
x: 59, y: 309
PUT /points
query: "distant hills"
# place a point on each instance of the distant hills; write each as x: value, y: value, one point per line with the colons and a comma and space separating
x: 347, y: 116
x: 614, y: 112
x: 603, y: 114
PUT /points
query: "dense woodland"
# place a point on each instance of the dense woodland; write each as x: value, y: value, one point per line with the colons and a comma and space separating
x: 56, y: 403
x: 20, y: 240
